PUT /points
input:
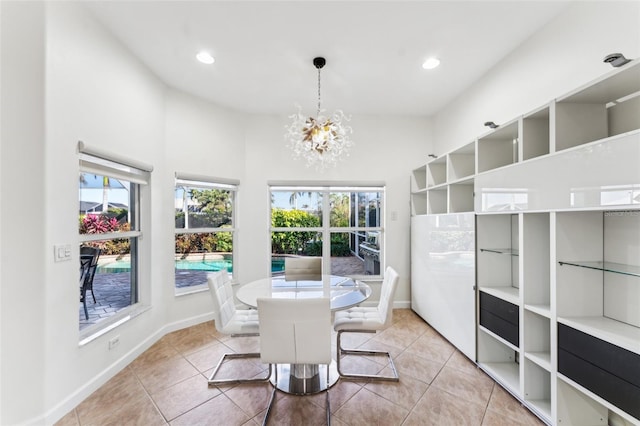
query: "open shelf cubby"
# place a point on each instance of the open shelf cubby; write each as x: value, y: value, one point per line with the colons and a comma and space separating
x: 461, y: 197
x: 497, y: 257
x: 437, y: 200
x: 537, y: 389
x: 498, y: 148
x: 419, y: 178
x: 608, y: 107
x: 500, y: 360
x: 437, y: 172
x: 536, y: 134
x: 461, y: 163
x: 536, y: 339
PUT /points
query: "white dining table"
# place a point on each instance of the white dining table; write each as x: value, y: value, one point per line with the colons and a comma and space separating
x: 343, y: 292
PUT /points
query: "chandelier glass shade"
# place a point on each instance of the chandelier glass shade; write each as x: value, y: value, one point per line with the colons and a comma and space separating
x: 321, y: 141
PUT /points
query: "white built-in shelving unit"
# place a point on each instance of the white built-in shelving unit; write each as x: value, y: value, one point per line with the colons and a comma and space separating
x: 556, y: 198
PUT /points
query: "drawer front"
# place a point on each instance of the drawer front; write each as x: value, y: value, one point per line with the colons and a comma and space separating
x: 500, y: 308
x: 614, y: 359
x: 499, y: 326
x: 612, y: 388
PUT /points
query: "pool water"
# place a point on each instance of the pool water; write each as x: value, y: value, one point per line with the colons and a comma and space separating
x: 277, y: 265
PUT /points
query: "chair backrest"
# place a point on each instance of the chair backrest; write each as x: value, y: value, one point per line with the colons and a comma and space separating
x: 295, y: 331
x: 93, y: 251
x: 90, y: 270
x: 300, y: 268
x: 388, y: 289
x: 222, y: 294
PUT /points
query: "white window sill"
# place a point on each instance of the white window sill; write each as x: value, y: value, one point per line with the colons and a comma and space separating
x: 91, y: 333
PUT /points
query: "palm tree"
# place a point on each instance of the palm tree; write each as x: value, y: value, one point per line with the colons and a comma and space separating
x: 106, y: 184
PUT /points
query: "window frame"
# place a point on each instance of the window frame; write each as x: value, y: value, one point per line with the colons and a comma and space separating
x: 208, y: 182
x: 138, y: 174
x: 326, y: 229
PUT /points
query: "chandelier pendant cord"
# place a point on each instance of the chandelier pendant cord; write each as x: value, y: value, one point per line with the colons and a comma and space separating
x: 318, y: 115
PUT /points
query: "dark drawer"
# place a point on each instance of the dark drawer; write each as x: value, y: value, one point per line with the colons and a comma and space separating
x: 500, y: 308
x: 614, y: 359
x: 502, y: 328
x: 609, y: 371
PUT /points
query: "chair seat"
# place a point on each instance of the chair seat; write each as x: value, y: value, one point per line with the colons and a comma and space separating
x: 359, y: 318
x: 244, y: 321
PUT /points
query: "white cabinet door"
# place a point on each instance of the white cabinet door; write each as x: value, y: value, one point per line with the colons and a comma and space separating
x: 443, y: 276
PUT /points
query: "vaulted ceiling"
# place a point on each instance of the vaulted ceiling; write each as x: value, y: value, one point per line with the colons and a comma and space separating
x: 374, y: 49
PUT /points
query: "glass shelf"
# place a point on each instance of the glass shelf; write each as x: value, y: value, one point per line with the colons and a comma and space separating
x: 618, y: 268
x: 509, y: 251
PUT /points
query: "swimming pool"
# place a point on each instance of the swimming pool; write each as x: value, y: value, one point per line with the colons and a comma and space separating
x: 277, y: 265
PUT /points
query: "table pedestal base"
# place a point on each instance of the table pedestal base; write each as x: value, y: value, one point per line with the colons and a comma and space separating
x: 304, y: 379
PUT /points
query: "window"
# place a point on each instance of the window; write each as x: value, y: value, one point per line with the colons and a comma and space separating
x: 204, y: 230
x: 109, y: 220
x: 349, y: 218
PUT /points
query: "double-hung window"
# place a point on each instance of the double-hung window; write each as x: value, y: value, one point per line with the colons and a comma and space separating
x: 204, y: 229
x: 350, y: 219
x: 109, y: 221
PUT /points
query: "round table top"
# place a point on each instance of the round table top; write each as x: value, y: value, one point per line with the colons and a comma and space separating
x: 342, y: 291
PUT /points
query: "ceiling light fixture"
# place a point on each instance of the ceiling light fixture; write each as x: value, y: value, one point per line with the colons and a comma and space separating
x: 615, y: 59
x: 320, y: 141
x: 430, y: 63
x: 205, y: 58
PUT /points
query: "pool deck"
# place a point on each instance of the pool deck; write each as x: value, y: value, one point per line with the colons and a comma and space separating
x: 113, y: 291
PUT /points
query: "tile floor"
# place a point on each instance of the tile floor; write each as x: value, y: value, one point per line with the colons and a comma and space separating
x: 167, y: 384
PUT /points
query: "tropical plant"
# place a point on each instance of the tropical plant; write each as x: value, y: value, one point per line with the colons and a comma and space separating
x: 292, y: 242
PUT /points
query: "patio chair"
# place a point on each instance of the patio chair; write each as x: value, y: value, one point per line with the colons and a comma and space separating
x: 295, y: 331
x: 231, y: 321
x: 88, y: 265
x: 368, y: 320
x: 302, y: 268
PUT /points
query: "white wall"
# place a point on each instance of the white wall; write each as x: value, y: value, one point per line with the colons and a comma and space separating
x: 23, y: 281
x: 98, y: 93
x: 564, y: 55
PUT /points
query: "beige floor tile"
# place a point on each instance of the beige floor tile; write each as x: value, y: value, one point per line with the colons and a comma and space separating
x: 440, y: 408
x: 461, y: 363
x: 368, y: 408
x: 296, y: 410
x: 70, y: 419
x: 397, y: 335
x: 183, y: 396
x: 192, y: 339
x: 209, y: 356
x: 432, y: 347
x: 411, y: 365
x: 121, y: 389
x: 503, y: 404
x: 251, y: 398
x: 473, y: 389
x: 406, y: 393
x: 138, y: 410
x: 217, y: 411
x: 166, y: 374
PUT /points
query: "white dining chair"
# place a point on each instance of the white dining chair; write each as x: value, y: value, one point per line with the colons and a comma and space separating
x: 368, y: 320
x: 231, y: 321
x: 301, y: 268
x: 295, y: 331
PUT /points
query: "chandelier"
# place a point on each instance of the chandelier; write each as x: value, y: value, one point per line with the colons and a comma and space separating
x: 321, y: 141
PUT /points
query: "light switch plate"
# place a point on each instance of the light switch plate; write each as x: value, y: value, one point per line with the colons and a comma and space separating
x: 62, y: 252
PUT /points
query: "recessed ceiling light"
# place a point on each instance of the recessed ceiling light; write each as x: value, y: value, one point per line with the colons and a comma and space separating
x: 205, y: 57
x: 431, y: 63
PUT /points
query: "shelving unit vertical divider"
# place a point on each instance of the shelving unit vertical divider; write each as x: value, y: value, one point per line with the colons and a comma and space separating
x: 554, y: 314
